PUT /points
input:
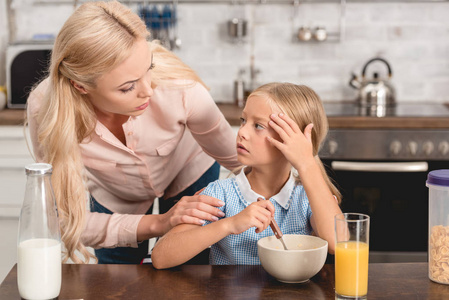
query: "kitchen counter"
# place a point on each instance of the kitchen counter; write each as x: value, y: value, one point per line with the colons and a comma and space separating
x: 232, y: 113
x: 12, y: 116
x: 386, y: 281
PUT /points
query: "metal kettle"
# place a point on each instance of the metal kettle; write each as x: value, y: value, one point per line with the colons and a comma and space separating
x: 375, y: 91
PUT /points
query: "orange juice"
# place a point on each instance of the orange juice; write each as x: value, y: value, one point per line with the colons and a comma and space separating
x: 351, y: 269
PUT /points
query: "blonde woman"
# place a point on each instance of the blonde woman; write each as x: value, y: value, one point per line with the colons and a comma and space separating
x: 127, y: 121
x: 282, y: 127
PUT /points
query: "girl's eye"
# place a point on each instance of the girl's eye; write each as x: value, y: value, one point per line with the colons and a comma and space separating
x: 152, y: 66
x: 242, y: 121
x: 258, y: 126
x: 129, y: 89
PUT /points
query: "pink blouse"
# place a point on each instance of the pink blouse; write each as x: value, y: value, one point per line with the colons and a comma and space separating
x: 168, y: 148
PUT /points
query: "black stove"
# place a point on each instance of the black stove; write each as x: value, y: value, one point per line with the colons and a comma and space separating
x: 382, y: 172
x: 350, y: 109
x: 388, y: 144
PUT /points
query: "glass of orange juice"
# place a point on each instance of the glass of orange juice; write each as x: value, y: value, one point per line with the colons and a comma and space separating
x: 351, y: 255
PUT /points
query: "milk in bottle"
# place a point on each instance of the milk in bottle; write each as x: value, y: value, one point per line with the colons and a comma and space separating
x: 39, y: 240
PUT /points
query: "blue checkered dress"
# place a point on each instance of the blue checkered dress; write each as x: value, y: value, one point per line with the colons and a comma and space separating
x: 292, y: 215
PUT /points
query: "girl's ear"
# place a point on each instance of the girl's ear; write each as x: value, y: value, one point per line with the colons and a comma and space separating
x: 79, y: 87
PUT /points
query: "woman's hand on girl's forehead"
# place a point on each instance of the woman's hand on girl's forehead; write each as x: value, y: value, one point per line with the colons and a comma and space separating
x: 296, y: 146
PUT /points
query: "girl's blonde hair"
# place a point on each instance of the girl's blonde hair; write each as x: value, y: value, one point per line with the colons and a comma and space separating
x: 304, y: 106
x: 93, y: 41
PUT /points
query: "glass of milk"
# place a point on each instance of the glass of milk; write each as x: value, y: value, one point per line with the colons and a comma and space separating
x: 39, y: 238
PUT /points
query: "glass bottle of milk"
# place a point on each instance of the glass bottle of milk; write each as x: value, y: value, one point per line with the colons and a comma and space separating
x: 39, y: 239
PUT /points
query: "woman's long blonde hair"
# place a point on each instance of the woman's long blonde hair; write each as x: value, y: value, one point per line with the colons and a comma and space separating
x: 304, y: 106
x: 93, y: 41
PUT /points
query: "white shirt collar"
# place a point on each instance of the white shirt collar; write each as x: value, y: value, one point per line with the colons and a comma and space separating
x: 282, y: 198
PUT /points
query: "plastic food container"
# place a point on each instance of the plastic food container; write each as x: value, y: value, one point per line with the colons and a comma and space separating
x: 438, y: 184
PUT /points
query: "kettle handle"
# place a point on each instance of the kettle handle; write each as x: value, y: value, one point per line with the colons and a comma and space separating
x: 375, y: 59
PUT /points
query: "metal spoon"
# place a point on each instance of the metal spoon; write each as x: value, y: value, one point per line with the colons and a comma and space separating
x: 276, y: 230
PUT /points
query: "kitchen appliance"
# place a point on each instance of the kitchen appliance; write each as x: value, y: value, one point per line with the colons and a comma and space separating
x: 374, y: 92
x: 26, y: 65
x: 382, y: 171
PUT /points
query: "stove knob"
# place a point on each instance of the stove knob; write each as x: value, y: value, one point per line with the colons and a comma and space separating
x: 395, y: 147
x: 333, y: 146
x: 412, y: 147
x: 443, y: 147
x: 428, y: 147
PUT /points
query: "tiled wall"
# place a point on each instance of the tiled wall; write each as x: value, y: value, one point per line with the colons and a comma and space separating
x: 413, y: 37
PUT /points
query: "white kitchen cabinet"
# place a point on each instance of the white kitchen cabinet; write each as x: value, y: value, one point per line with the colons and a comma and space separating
x: 14, y: 156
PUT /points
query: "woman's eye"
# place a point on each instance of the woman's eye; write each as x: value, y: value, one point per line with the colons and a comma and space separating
x: 129, y: 89
x: 152, y: 66
x: 242, y: 121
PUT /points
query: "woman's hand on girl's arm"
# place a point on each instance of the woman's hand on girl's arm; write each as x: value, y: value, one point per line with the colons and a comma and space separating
x: 185, y: 241
x: 296, y: 146
x: 189, y: 210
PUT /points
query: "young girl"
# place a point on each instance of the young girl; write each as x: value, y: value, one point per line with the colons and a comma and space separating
x: 282, y: 126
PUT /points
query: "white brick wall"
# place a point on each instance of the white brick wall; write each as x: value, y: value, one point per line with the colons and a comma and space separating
x: 413, y: 37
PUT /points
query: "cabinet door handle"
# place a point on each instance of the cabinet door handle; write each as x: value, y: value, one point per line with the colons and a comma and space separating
x: 419, y: 166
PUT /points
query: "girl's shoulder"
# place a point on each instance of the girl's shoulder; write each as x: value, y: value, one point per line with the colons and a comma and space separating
x: 298, y: 191
x: 220, y: 187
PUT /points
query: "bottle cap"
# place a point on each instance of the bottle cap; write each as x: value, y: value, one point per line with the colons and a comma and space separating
x: 438, y: 177
x: 38, y: 169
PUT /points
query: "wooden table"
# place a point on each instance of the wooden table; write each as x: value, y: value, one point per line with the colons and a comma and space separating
x: 386, y: 281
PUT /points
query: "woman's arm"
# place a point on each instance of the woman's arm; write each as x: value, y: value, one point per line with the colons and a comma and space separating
x: 209, y: 127
x: 297, y: 148
x: 189, y: 210
x: 185, y: 241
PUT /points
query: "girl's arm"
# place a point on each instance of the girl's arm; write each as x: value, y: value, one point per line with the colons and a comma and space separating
x: 323, y: 204
x: 185, y: 241
x: 297, y: 148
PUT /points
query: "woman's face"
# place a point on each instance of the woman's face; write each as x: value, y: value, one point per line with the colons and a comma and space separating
x: 126, y: 90
x: 253, y: 148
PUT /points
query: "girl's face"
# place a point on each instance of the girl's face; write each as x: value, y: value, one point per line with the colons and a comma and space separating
x: 253, y: 148
x: 126, y: 90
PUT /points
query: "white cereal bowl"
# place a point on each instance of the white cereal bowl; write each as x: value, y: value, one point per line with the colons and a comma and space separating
x: 304, y: 259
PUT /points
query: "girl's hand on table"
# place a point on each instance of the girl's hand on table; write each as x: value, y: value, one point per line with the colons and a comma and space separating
x: 296, y: 146
x: 258, y: 214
